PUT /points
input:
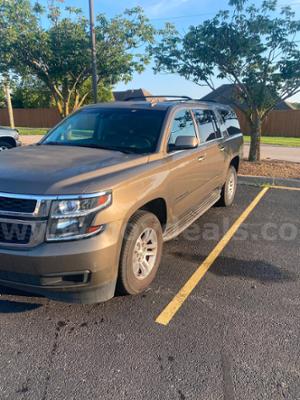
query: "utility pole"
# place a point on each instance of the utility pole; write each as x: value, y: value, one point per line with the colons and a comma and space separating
x: 9, y: 105
x: 93, y: 45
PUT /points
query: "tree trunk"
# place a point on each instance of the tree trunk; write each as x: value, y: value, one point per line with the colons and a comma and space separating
x: 256, y: 126
x: 9, y: 105
x: 65, y: 97
x: 62, y: 106
x: 66, y: 108
x: 68, y: 102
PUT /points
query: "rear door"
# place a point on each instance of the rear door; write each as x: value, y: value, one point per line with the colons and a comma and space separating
x: 212, y: 145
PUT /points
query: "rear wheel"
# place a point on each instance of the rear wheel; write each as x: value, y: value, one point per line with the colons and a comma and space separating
x: 141, y: 253
x: 5, y: 145
x: 229, y: 188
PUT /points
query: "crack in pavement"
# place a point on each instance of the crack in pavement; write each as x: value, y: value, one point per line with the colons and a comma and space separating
x: 59, y: 326
x: 228, y: 388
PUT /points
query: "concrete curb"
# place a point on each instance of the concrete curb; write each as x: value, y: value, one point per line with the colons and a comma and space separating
x: 265, y: 180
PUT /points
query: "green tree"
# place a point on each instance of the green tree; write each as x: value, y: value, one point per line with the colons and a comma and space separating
x: 105, y: 93
x: 60, y: 54
x: 30, y: 92
x: 253, y: 47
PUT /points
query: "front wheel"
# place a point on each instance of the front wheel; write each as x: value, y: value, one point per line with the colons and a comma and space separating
x: 141, y: 253
x: 229, y: 188
x: 5, y: 145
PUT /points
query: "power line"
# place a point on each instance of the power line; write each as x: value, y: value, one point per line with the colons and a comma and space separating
x: 296, y: 3
x: 182, y: 16
x: 210, y: 13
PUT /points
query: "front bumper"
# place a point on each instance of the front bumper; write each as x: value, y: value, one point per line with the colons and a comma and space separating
x: 83, y: 271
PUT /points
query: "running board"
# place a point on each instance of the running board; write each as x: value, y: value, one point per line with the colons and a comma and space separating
x: 191, y: 216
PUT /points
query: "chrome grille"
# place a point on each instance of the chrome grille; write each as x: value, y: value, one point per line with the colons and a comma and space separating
x: 15, y: 205
x: 20, y: 233
x: 15, y: 233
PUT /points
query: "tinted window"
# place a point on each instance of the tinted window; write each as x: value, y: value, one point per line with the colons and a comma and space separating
x: 182, y: 125
x: 207, y: 125
x: 132, y: 130
x: 231, y: 121
x: 81, y: 126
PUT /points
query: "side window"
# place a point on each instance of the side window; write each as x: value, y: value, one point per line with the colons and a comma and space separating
x: 207, y: 124
x: 182, y: 125
x: 231, y: 121
x: 216, y: 122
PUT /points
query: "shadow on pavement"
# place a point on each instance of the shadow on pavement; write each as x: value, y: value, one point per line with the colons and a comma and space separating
x: 255, y: 270
x: 8, y: 307
x: 15, y: 292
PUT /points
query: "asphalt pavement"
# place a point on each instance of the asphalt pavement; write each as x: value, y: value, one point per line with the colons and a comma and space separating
x: 235, y: 337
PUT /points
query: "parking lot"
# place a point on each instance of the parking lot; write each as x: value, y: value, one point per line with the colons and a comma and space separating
x: 234, y: 336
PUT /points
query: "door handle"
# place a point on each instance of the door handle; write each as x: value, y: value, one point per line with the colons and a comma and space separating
x: 201, y: 158
x: 222, y: 148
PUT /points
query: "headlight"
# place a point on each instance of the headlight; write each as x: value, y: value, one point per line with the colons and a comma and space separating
x: 73, y: 218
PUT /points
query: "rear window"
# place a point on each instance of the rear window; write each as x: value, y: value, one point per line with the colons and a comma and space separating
x: 231, y: 121
x: 133, y: 130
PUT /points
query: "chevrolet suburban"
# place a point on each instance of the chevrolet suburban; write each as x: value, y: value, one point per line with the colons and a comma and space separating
x: 85, y: 212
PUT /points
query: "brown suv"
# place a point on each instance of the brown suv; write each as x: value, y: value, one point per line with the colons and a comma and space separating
x: 86, y: 211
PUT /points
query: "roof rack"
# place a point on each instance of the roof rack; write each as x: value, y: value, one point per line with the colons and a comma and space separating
x: 160, y: 96
x: 209, y: 101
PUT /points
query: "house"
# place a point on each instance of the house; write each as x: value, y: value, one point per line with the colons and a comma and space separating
x: 140, y: 94
x: 226, y: 93
x: 134, y: 93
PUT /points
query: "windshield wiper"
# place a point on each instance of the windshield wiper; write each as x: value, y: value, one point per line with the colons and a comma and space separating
x: 93, y: 146
x: 55, y: 144
x: 109, y: 148
x: 122, y: 150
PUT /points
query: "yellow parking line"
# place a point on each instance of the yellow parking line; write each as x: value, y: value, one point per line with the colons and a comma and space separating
x: 171, y: 309
x: 283, y: 187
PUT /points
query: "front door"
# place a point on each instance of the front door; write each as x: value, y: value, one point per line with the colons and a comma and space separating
x: 188, y: 168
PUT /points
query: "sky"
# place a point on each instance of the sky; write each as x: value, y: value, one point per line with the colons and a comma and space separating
x: 182, y: 13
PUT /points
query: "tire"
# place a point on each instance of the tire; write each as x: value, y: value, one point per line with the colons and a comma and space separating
x: 134, y: 277
x: 229, y: 189
x: 5, y: 145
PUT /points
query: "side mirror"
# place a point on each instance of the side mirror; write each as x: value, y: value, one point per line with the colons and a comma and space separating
x: 185, y: 143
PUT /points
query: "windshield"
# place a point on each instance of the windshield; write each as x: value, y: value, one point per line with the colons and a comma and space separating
x: 127, y: 130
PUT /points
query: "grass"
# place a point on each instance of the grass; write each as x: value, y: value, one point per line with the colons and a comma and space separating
x: 33, y: 131
x: 279, y: 141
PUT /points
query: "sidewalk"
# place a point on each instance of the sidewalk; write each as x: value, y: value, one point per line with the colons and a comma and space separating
x: 269, y: 152
x: 30, y: 139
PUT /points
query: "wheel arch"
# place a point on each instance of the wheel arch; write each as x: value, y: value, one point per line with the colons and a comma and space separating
x: 235, y: 162
x: 158, y: 207
x: 8, y: 140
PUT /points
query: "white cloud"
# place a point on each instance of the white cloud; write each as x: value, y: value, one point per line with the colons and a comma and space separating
x: 162, y: 6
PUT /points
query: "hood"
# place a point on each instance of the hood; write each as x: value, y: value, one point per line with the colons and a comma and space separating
x: 8, y: 131
x: 60, y: 169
